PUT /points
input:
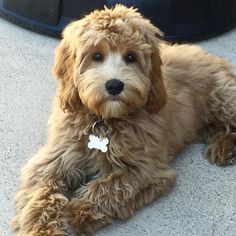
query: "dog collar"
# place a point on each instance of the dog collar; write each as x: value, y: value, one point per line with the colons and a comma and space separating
x: 97, y: 141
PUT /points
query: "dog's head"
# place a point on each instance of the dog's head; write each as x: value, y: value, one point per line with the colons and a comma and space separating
x: 109, y: 62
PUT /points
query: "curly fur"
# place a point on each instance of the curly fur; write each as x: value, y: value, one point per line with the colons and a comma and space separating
x: 172, y: 95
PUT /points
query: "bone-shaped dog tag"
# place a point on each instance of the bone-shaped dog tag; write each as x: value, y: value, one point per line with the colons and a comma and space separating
x: 98, y: 143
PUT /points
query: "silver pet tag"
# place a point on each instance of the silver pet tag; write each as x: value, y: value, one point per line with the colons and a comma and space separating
x: 98, y: 143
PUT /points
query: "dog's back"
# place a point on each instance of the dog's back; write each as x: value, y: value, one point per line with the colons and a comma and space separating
x: 209, y: 80
x: 201, y: 92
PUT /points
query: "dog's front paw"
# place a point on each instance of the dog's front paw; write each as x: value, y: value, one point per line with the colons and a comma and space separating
x: 84, y: 218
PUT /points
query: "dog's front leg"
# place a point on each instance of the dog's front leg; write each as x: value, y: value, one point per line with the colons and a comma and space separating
x: 44, y: 183
x: 116, y: 195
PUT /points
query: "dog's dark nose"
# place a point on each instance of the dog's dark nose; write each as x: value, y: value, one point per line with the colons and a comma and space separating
x: 114, y: 86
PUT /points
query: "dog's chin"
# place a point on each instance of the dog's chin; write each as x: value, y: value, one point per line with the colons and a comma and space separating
x: 114, y: 109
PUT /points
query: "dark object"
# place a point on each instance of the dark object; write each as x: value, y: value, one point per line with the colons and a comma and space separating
x: 43, y: 11
x: 114, y: 86
x: 180, y: 20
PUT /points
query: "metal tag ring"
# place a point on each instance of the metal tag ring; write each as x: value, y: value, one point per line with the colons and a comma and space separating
x: 102, y: 124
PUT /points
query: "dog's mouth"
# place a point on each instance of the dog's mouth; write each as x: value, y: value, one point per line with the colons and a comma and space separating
x: 115, y: 98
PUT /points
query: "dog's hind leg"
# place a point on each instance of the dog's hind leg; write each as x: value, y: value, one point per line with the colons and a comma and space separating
x: 222, y: 138
x: 222, y: 151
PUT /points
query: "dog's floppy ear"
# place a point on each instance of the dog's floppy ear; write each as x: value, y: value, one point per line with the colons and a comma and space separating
x: 157, y: 95
x: 64, y: 70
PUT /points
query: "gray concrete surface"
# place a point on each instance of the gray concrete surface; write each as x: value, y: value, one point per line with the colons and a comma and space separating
x: 203, y: 202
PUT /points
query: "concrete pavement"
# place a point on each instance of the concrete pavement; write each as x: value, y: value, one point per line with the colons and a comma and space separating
x: 203, y: 202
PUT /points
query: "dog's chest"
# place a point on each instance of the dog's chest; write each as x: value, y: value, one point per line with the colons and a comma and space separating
x: 122, y: 144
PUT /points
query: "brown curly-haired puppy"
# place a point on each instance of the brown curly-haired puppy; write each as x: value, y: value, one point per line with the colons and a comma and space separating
x: 120, y: 84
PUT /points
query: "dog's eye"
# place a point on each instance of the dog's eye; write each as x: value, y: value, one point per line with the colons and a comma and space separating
x: 97, y: 56
x: 130, y: 58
